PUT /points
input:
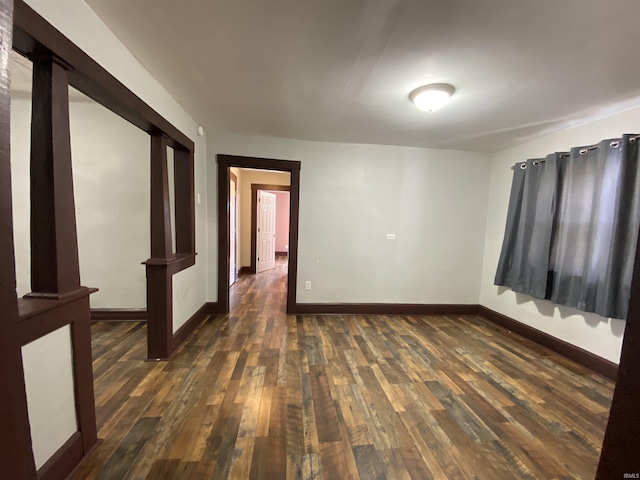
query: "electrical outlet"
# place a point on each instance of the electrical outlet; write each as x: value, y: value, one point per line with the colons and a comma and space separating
x: 307, y: 285
x: 391, y: 236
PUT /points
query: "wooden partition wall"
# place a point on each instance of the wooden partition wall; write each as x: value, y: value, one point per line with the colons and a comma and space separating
x: 57, y: 298
x: 35, y: 38
x: 164, y: 262
x: 16, y: 459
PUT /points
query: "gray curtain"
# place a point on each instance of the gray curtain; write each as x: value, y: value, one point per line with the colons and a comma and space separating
x: 572, y: 227
x: 526, y: 248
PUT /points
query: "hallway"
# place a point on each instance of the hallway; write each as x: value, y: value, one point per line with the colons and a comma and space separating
x: 262, y: 395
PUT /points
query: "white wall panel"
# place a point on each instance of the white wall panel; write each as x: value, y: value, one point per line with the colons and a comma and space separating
x: 48, y: 373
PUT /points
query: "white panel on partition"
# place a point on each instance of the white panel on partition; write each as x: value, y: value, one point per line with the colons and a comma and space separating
x: 48, y: 373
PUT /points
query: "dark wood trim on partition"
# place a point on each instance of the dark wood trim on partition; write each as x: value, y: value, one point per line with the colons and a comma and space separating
x: 32, y: 35
x: 64, y: 460
x: 587, y: 359
x: 118, y: 314
x: 621, y: 444
x: 54, y: 245
x: 175, y: 264
x: 40, y: 317
x: 204, y: 312
x: 16, y: 456
x: 83, y: 377
x: 160, y: 337
x: 159, y: 280
x: 58, y: 299
x: 161, y: 240
x: 254, y: 217
x: 164, y: 262
x: 159, y: 312
x: 35, y: 37
x: 384, y: 309
x: 233, y: 178
x: 293, y: 167
x: 185, y: 206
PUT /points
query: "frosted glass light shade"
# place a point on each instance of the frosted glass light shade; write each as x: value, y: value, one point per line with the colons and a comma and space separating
x: 431, y: 97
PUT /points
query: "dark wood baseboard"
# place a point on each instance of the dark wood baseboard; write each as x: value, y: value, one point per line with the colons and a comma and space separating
x: 118, y: 314
x: 281, y: 254
x: 384, y: 309
x: 209, y: 308
x: 584, y: 358
x: 587, y: 359
x: 245, y: 271
x: 64, y: 461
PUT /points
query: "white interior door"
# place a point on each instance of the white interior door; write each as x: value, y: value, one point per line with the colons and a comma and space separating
x: 266, y: 231
x: 233, y: 217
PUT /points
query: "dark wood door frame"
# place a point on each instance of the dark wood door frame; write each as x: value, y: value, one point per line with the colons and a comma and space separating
x: 254, y: 217
x: 234, y: 179
x: 293, y: 167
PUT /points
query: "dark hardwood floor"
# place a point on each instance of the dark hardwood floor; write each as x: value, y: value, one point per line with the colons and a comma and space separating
x: 262, y: 395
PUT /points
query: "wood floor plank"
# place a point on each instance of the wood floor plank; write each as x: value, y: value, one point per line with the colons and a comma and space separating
x: 127, y: 452
x: 324, y: 408
x: 258, y: 394
x: 338, y: 461
x: 242, y: 457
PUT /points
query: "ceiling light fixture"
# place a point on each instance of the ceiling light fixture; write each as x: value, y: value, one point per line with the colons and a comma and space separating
x: 431, y: 97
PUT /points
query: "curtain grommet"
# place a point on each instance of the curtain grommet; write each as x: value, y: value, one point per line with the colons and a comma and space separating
x: 523, y: 166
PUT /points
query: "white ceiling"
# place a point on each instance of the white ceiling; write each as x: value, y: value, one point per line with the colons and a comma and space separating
x: 342, y: 70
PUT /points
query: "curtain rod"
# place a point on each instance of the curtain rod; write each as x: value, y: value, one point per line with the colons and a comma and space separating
x: 583, y: 151
x: 523, y: 165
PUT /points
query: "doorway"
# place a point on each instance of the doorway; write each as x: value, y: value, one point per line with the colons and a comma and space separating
x: 233, y: 229
x: 280, y: 245
x: 225, y: 162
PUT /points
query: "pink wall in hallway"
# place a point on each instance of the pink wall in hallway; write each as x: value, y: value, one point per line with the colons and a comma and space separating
x: 282, y: 221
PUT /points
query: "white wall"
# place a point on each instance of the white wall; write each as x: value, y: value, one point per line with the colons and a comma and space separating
x: 190, y: 285
x: 434, y: 201
x: 48, y: 375
x: 20, y: 148
x: 593, y: 333
x: 282, y: 221
x: 110, y: 173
